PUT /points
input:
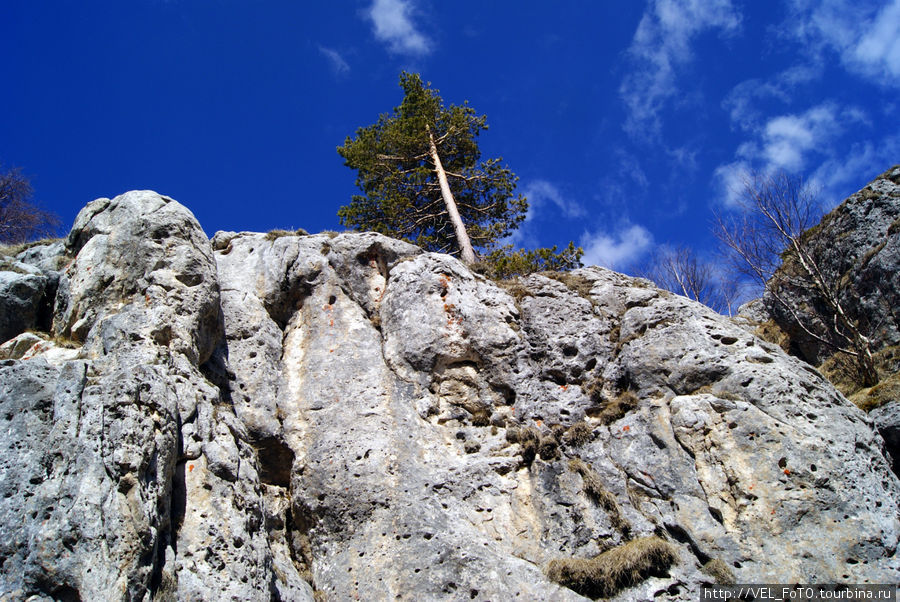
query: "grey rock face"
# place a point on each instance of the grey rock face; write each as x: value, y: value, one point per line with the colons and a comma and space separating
x: 887, y: 421
x: 262, y: 416
x: 21, y: 296
x: 102, y: 453
x: 27, y: 286
x: 858, y: 246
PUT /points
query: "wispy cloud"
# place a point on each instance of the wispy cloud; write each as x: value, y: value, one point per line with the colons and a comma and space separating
x: 729, y: 181
x: 866, y: 35
x: 392, y: 23
x: 743, y: 100
x: 617, y: 250
x: 808, y: 144
x: 877, y: 52
x: 337, y: 62
x: 787, y: 139
x: 544, y: 198
x: 833, y: 175
x: 541, y: 192
x: 786, y: 142
x: 662, y: 44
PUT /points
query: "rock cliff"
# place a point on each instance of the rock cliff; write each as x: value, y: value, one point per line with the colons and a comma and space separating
x: 299, y: 417
x: 857, y: 248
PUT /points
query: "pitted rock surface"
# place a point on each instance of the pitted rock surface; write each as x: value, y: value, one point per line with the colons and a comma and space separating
x: 266, y: 417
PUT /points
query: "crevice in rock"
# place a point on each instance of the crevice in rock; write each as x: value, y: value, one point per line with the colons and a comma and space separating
x: 47, y: 306
x: 678, y: 533
x: 297, y: 525
x: 290, y: 301
x: 161, y: 586
x: 217, y: 372
x: 276, y: 460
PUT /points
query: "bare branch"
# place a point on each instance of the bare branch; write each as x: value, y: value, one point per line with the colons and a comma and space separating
x: 766, y: 243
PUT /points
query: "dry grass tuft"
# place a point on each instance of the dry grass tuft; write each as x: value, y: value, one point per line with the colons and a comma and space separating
x: 481, y: 417
x: 578, y: 434
x: 843, y: 372
x: 14, y: 249
x: 771, y: 332
x: 548, y: 448
x: 594, y: 488
x: 720, y: 393
x: 527, y: 437
x: 604, y: 575
x: 888, y: 389
x: 276, y: 234
x: 574, y: 282
x: 515, y: 288
x: 534, y: 444
x: 719, y: 571
x: 615, y: 408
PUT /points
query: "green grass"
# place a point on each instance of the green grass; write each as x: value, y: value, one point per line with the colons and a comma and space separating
x: 608, y: 573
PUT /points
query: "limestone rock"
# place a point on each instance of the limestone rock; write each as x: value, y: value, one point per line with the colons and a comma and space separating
x: 887, y: 421
x: 22, y: 293
x: 290, y: 417
x: 858, y: 246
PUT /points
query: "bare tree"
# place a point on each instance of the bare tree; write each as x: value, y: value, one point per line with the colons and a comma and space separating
x: 768, y: 242
x: 680, y: 270
x: 20, y: 219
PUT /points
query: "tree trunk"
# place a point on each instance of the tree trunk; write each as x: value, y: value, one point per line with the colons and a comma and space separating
x: 467, y: 254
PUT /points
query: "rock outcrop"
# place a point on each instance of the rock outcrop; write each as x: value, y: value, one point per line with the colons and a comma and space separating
x: 857, y: 249
x: 265, y: 417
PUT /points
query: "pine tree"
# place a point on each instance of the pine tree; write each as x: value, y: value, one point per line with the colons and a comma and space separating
x: 423, y: 179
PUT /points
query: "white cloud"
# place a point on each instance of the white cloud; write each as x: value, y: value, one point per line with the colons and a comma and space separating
x: 543, y: 197
x: 618, y: 250
x: 337, y: 62
x: 741, y: 102
x: 541, y: 192
x: 729, y: 180
x: 787, y: 141
x: 808, y: 144
x: 834, y: 175
x: 393, y: 25
x: 660, y: 45
x: 865, y: 34
x: 877, y: 52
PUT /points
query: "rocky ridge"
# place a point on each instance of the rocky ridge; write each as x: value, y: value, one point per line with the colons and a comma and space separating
x: 296, y: 417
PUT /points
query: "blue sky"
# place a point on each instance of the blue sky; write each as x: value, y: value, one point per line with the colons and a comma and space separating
x: 628, y: 123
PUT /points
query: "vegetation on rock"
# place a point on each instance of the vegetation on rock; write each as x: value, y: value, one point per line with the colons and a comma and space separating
x: 771, y: 242
x: 604, y: 575
x: 424, y: 181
